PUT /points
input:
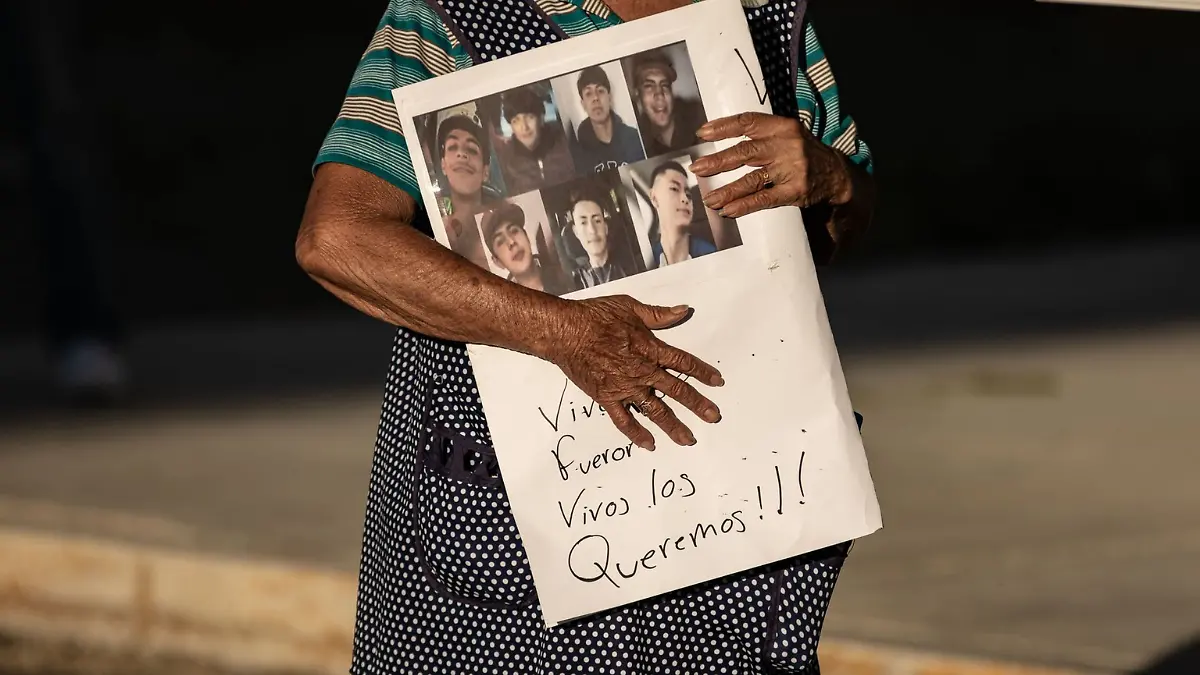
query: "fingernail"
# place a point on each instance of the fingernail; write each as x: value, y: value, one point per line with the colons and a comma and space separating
x: 712, y: 415
x: 691, y: 440
x: 649, y: 448
x: 718, y: 381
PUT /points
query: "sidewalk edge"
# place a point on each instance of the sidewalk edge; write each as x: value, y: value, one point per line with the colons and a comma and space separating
x: 257, y: 615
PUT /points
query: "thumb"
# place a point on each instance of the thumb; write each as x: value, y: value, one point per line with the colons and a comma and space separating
x: 658, y: 318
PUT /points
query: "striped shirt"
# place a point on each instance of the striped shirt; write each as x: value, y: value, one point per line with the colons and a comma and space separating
x: 413, y: 43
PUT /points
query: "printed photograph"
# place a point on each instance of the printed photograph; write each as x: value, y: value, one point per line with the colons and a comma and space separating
x: 671, y: 221
x: 578, y: 180
x: 457, y: 145
x: 462, y: 230
x: 663, y: 87
x: 593, y: 231
x: 519, y: 244
x: 599, y: 118
x: 532, y: 146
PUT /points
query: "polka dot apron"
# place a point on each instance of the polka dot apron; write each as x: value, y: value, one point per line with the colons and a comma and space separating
x: 445, y: 587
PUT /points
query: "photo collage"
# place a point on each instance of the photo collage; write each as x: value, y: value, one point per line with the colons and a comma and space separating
x: 581, y: 179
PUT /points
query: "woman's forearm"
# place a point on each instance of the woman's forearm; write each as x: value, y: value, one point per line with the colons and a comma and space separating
x: 356, y: 241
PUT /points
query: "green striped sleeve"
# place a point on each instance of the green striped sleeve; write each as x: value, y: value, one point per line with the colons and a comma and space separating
x: 411, y: 44
x: 595, y: 12
x: 833, y: 125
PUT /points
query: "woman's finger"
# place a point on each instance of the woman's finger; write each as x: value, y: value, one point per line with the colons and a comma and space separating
x: 756, y: 180
x: 662, y: 415
x: 751, y: 124
x: 687, y: 395
x: 777, y: 195
x: 684, y: 363
x: 654, y: 316
x: 746, y: 153
x: 624, y: 421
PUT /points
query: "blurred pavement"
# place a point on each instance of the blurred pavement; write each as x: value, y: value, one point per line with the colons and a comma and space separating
x: 1030, y: 426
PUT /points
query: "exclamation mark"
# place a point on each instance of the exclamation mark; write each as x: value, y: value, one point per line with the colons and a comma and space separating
x: 779, y: 483
x: 759, y: 488
x: 800, y: 477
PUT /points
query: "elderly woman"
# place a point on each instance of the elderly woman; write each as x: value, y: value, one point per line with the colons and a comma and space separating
x: 444, y: 583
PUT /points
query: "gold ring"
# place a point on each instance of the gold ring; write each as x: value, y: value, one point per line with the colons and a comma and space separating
x: 640, y: 406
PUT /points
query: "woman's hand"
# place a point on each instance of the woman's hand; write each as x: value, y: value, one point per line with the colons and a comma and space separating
x: 795, y: 169
x: 610, y: 352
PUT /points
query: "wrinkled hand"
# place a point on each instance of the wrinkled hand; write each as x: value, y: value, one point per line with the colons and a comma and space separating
x: 795, y: 169
x: 610, y: 352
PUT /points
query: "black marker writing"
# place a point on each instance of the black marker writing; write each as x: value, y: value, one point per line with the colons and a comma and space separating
x: 608, y: 509
x: 800, y: 477
x: 596, y: 461
x: 603, y: 457
x: 585, y: 409
x: 762, y: 98
x: 562, y: 468
x: 779, y: 482
x: 601, y: 567
x: 558, y: 410
x: 567, y: 519
x: 667, y: 489
x: 594, y: 552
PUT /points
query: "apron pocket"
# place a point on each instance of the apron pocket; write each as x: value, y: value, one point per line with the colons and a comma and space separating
x: 466, y: 538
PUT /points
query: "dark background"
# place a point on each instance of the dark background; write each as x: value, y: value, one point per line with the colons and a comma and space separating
x: 1037, y: 166
x: 997, y: 126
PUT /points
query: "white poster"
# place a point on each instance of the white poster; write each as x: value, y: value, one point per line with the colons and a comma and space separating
x: 784, y: 472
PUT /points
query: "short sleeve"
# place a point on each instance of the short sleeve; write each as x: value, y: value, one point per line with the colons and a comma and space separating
x: 828, y: 121
x: 411, y: 44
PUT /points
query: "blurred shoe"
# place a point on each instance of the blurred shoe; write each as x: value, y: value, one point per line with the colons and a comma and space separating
x: 91, y: 372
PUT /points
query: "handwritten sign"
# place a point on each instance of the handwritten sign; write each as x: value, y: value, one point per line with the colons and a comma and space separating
x: 591, y: 557
x: 784, y: 472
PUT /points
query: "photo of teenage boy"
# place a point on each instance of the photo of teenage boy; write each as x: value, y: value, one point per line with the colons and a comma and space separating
x: 590, y: 210
x: 463, y: 234
x: 535, y: 153
x: 463, y: 150
x: 593, y: 230
x: 672, y: 222
x: 589, y: 104
x: 507, y: 238
x: 668, y: 118
x: 671, y: 239
x: 457, y: 150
